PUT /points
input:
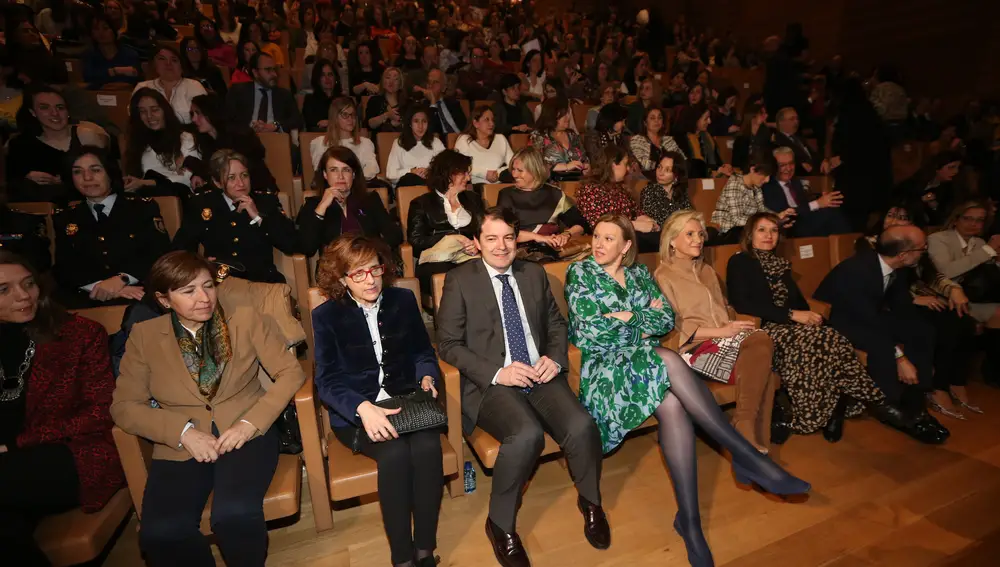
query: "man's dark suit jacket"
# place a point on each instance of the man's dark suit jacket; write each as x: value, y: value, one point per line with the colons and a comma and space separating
x: 803, y: 153
x: 470, y: 331
x: 821, y: 222
x: 239, y: 106
x: 346, y: 367
x: 775, y: 199
x: 457, y: 114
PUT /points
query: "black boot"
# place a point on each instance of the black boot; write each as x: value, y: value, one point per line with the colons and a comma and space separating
x: 834, y: 429
x: 780, y: 418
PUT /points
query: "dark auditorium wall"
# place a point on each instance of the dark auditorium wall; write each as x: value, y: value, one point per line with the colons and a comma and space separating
x: 943, y: 47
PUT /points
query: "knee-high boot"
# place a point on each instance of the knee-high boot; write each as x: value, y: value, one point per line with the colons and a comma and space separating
x: 753, y: 379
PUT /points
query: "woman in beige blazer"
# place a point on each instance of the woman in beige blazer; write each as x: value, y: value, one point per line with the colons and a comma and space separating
x: 190, y: 383
x: 702, y: 314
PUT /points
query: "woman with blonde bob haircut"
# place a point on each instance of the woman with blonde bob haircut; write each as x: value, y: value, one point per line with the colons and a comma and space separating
x: 617, y: 317
x: 548, y: 218
x: 371, y: 345
x: 730, y: 350
x: 344, y: 129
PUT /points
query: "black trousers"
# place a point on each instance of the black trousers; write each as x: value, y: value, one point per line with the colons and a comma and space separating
x: 519, y: 420
x: 410, y: 484
x: 37, y: 482
x: 954, y: 339
x: 409, y: 180
x: 425, y: 273
x: 175, y: 497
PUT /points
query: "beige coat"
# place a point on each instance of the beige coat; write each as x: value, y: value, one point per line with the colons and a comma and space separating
x: 695, y: 293
x: 152, y: 368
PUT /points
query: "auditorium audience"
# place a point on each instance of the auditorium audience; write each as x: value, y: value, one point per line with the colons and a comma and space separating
x: 533, y: 75
x: 262, y: 104
x: 36, y: 159
x: 871, y: 305
x: 171, y: 83
x: 413, y: 150
x: 56, y: 450
x: 236, y: 223
x: 161, y: 156
x: 364, y: 72
x: 604, y: 192
x: 215, y: 133
x: 448, y: 115
x: 561, y: 147
x: 742, y: 197
x: 254, y: 31
x: 385, y: 110
x: 638, y: 109
x: 813, y: 217
x: 607, y: 94
x: 219, y: 52
x: 510, y: 113
x: 669, y: 192
x: 243, y: 73
x: 547, y: 218
x: 106, y: 244
x: 934, y: 186
x: 733, y: 351
x: 819, y: 370
x: 754, y: 135
x: 212, y: 435
x: 365, y: 319
x: 316, y: 104
x: 343, y: 129
x: 651, y: 141
x: 489, y: 150
x: 441, y: 223
x: 409, y: 58
x: 609, y: 130
x: 195, y: 65
x: 108, y: 60
x: 699, y: 145
x: 617, y: 316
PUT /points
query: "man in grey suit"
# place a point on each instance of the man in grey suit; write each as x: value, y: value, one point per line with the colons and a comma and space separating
x: 499, y: 324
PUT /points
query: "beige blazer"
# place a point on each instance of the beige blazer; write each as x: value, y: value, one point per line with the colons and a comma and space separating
x: 152, y: 368
x: 945, y: 250
x: 695, y: 293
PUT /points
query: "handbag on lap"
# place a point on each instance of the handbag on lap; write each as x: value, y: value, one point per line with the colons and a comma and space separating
x: 420, y: 411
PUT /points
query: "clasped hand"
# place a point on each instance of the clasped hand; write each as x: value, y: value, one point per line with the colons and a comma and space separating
x: 520, y: 375
x: 205, y: 448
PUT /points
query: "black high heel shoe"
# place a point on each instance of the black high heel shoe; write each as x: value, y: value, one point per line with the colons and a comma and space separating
x: 833, y: 431
x: 780, y: 431
x: 698, y: 555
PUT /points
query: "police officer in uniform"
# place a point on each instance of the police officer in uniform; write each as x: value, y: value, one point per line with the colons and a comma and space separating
x: 24, y: 234
x: 106, y: 244
x: 238, y: 226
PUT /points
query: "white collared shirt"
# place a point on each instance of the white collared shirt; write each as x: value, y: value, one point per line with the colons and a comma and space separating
x: 457, y: 218
x: 886, y: 272
x: 787, y: 188
x: 371, y: 318
x: 533, y: 355
x: 109, y: 203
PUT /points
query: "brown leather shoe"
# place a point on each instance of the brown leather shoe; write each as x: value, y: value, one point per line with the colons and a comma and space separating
x: 595, y: 524
x: 507, y: 547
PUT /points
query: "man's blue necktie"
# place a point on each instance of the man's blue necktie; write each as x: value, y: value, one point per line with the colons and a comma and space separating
x: 512, y: 324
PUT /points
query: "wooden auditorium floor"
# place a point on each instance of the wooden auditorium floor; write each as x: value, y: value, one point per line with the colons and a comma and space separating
x: 879, y: 498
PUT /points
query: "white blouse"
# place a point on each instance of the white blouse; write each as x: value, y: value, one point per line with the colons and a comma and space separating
x: 364, y: 151
x: 495, y: 158
x: 180, y: 97
x: 457, y: 218
x: 151, y: 161
x: 402, y: 161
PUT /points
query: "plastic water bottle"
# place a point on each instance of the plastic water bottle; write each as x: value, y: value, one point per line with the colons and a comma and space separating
x: 470, y: 478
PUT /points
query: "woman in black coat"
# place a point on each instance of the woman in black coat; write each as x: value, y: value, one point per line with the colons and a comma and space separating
x: 316, y: 106
x: 215, y: 133
x: 429, y: 221
x: 344, y: 206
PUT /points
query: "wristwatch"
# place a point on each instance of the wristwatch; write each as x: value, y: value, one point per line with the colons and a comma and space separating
x: 124, y: 277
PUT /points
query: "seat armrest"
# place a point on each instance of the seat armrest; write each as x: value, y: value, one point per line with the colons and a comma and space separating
x: 821, y: 307
x: 406, y: 253
x: 135, y: 454
x: 313, y: 449
x: 575, y: 365
x: 452, y: 398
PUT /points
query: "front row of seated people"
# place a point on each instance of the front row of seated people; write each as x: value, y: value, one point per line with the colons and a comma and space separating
x: 511, y: 349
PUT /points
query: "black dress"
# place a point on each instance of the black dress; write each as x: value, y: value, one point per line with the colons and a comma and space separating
x: 535, y: 211
x: 27, y: 153
x: 315, y: 109
x: 376, y: 106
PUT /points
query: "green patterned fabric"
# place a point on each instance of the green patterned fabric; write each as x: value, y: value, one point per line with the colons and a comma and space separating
x: 207, y: 354
x: 623, y: 379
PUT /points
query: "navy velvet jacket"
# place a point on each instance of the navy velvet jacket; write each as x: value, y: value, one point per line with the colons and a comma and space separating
x: 346, y: 367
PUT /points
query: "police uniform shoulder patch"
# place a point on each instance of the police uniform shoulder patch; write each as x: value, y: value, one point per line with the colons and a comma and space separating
x: 147, y: 199
x: 221, y: 273
x: 206, y: 214
x: 72, y: 229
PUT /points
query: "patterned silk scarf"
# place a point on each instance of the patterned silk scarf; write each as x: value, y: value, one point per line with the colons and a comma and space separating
x: 774, y: 268
x: 207, y: 354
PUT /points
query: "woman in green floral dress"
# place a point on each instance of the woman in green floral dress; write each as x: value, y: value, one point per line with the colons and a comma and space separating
x: 617, y: 315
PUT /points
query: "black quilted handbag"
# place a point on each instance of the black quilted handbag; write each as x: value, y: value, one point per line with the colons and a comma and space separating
x: 420, y: 411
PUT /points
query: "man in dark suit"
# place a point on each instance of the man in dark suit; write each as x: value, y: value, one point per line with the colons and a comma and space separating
x: 813, y: 217
x: 871, y: 305
x: 787, y: 134
x: 238, y: 226
x: 447, y: 114
x: 263, y: 105
x: 500, y: 326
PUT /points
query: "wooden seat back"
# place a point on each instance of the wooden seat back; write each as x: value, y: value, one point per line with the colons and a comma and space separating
x: 308, y: 167
x: 810, y: 258
x: 491, y: 191
x: 172, y: 213
x: 704, y: 195
x: 385, y: 141
x: 278, y: 158
x: 518, y: 141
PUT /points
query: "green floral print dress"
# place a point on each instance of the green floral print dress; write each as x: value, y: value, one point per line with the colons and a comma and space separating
x: 623, y: 379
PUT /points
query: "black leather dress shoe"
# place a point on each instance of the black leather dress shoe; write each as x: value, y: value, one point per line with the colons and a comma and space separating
x: 936, y: 432
x: 595, y: 524
x: 507, y: 547
x: 890, y: 415
x: 833, y: 431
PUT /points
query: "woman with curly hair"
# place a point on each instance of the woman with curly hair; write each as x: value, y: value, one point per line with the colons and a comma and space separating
x: 160, y: 157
